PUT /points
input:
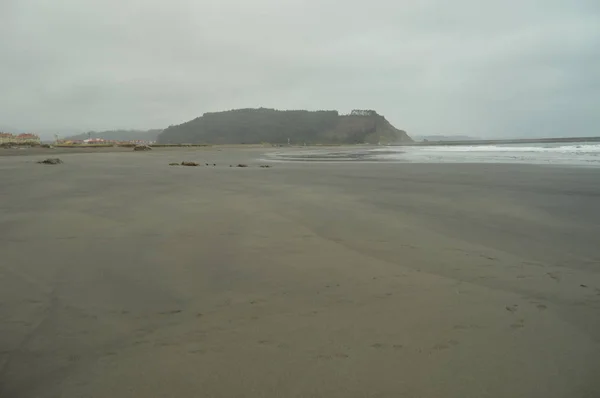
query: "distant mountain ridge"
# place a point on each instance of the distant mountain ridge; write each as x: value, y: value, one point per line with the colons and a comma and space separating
x: 264, y: 125
x: 119, y: 135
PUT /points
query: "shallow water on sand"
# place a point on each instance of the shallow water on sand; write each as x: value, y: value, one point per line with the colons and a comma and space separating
x: 580, y: 154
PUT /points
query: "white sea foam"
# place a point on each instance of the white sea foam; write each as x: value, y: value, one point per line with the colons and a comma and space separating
x: 571, y: 154
x: 583, y: 148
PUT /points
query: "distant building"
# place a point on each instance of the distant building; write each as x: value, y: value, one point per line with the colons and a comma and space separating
x: 7, y: 138
x: 28, y: 139
x: 363, y: 112
x: 95, y: 141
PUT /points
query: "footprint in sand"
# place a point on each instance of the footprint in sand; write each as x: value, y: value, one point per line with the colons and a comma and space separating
x: 380, y: 346
x: 170, y: 312
x: 264, y: 342
x: 337, y: 355
x: 512, y: 308
x: 74, y: 358
x: 539, y: 306
x: 554, y: 276
x: 519, y: 324
x: 466, y: 327
x: 521, y: 276
x: 446, y: 345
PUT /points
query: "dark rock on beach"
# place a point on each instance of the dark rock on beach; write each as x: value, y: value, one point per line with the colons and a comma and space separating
x: 51, y: 161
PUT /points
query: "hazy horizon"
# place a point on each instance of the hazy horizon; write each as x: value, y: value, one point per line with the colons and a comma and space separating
x: 506, y: 69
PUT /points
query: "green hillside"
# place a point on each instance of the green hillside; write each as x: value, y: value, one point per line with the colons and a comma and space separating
x: 255, y: 126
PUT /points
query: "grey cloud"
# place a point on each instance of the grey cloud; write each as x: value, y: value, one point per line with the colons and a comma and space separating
x: 483, y: 68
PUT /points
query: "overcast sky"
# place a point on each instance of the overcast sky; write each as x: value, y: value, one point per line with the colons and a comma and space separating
x: 476, y: 67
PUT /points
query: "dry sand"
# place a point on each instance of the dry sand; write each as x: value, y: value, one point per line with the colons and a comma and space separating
x: 123, y: 277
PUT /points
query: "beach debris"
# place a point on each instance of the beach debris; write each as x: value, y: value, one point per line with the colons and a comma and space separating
x: 173, y: 164
x: 190, y: 164
x: 51, y: 161
x: 242, y: 165
x: 142, y: 148
x: 47, y: 146
x: 583, y: 285
x: 265, y: 166
x: 214, y: 164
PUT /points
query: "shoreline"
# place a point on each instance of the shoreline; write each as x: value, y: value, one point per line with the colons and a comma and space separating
x: 364, y: 154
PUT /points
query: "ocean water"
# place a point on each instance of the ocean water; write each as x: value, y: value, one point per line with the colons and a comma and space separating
x: 576, y: 154
x: 583, y: 153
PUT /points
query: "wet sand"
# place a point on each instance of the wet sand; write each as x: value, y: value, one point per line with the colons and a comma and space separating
x: 121, y: 276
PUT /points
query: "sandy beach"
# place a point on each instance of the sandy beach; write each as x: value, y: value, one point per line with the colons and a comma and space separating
x: 121, y: 276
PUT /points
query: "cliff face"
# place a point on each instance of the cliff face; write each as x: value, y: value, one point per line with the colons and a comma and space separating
x: 255, y: 126
x: 370, y: 129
